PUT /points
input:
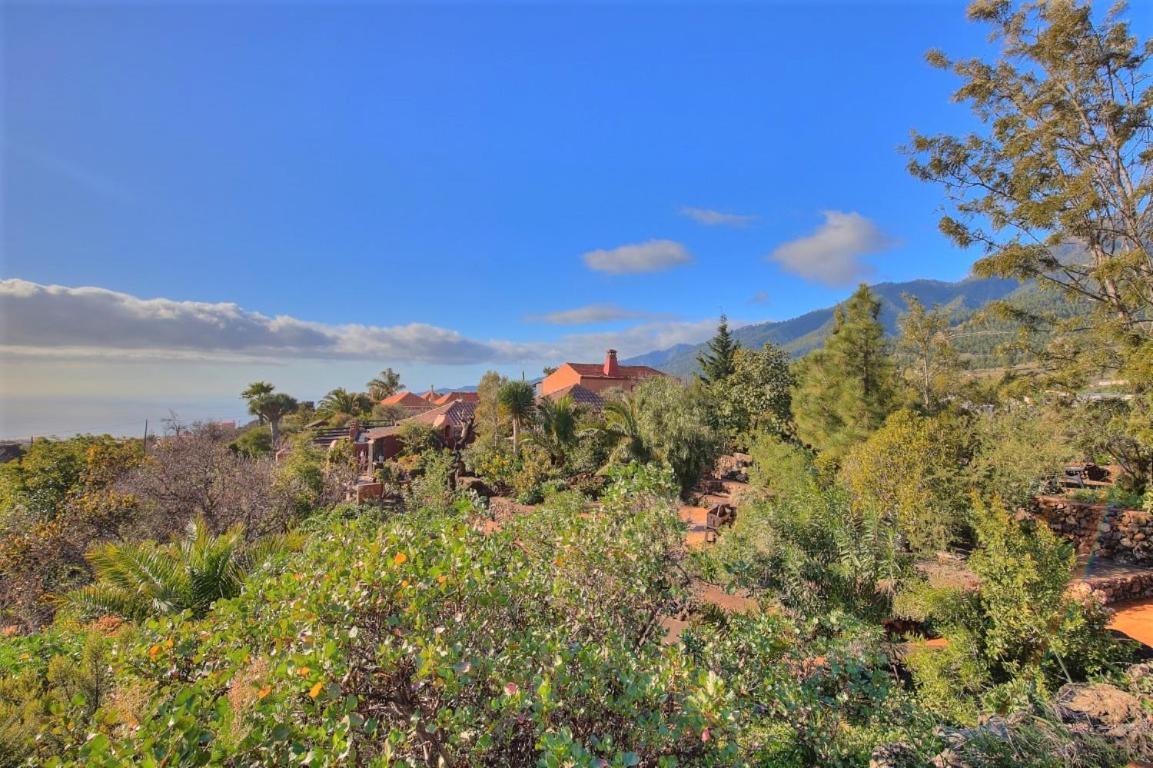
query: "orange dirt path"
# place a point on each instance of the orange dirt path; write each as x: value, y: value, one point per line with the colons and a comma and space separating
x: 1135, y: 620
x: 696, y: 518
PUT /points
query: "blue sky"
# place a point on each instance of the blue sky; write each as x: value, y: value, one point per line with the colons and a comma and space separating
x: 455, y: 166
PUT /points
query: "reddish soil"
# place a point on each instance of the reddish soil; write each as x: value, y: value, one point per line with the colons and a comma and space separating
x: 1135, y: 620
x: 695, y: 517
x: 737, y: 602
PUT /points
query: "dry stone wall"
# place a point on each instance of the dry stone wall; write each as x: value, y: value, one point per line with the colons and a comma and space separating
x: 1096, y: 529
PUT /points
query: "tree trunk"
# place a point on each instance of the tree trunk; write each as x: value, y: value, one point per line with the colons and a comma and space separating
x: 274, y: 426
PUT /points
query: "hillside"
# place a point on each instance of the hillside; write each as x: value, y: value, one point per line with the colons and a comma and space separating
x: 802, y: 334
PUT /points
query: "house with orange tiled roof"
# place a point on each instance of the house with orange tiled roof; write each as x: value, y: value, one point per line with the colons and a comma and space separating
x: 580, y: 395
x: 410, y: 402
x: 452, y: 423
x: 597, y: 377
x: 452, y: 397
x: 405, y: 399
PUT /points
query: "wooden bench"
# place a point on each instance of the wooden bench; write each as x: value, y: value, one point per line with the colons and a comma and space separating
x: 718, y: 515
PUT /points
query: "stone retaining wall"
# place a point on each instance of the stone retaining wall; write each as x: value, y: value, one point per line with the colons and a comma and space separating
x: 1120, y: 588
x: 1096, y: 529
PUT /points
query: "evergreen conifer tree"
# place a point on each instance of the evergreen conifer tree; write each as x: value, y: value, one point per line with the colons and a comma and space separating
x: 847, y: 387
x: 718, y: 361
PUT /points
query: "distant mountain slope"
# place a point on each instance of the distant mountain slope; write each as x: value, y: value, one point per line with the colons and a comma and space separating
x: 802, y: 334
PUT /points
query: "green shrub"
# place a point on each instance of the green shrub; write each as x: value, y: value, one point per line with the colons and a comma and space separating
x: 815, y: 553
x: 417, y: 638
x: 1017, y: 636
x: 911, y: 471
x: 534, y: 470
x: 780, y: 468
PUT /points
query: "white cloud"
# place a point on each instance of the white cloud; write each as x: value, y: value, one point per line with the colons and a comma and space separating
x: 651, y: 256
x: 833, y: 254
x: 51, y: 322
x: 593, y: 313
x: 51, y: 319
x: 711, y: 218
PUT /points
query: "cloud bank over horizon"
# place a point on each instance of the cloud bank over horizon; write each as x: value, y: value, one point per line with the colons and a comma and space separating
x: 51, y: 321
x: 834, y: 254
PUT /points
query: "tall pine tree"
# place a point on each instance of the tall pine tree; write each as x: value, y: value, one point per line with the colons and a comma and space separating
x: 847, y: 387
x: 719, y: 360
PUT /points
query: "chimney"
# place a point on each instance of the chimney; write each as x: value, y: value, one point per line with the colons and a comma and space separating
x: 611, y: 367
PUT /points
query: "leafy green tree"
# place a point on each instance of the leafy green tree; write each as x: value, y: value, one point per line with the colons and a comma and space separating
x: 518, y: 401
x: 925, y: 349
x: 718, y: 360
x: 1120, y: 432
x: 557, y: 422
x: 757, y: 396
x: 489, y: 419
x: 341, y: 402
x: 911, y: 471
x: 674, y: 422
x: 138, y: 580
x: 846, y: 388
x: 1017, y: 452
x: 386, y: 384
x: 1056, y: 187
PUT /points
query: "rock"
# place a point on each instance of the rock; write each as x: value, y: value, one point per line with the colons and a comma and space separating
x: 475, y: 484
x: 956, y: 739
x: 896, y: 755
x: 1098, y: 704
x: 1108, y: 712
x: 1140, y: 676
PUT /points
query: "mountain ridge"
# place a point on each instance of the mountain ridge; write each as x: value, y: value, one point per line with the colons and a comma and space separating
x: 803, y: 333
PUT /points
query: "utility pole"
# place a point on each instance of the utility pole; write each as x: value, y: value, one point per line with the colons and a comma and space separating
x: 146, y: 437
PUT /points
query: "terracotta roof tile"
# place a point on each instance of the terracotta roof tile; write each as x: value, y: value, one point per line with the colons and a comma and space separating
x: 404, y: 398
x: 597, y: 371
x: 457, y: 414
x: 580, y: 395
x: 448, y: 397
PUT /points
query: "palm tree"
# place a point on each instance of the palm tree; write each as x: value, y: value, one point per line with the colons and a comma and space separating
x: 254, y: 392
x: 517, y: 399
x: 387, y: 383
x: 341, y: 401
x: 557, y: 420
x: 622, y: 423
x: 138, y: 580
x: 273, y: 408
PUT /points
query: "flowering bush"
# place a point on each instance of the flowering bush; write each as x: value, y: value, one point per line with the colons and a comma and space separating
x: 416, y: 638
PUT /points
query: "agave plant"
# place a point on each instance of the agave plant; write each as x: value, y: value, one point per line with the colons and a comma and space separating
x: 138, y: 580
